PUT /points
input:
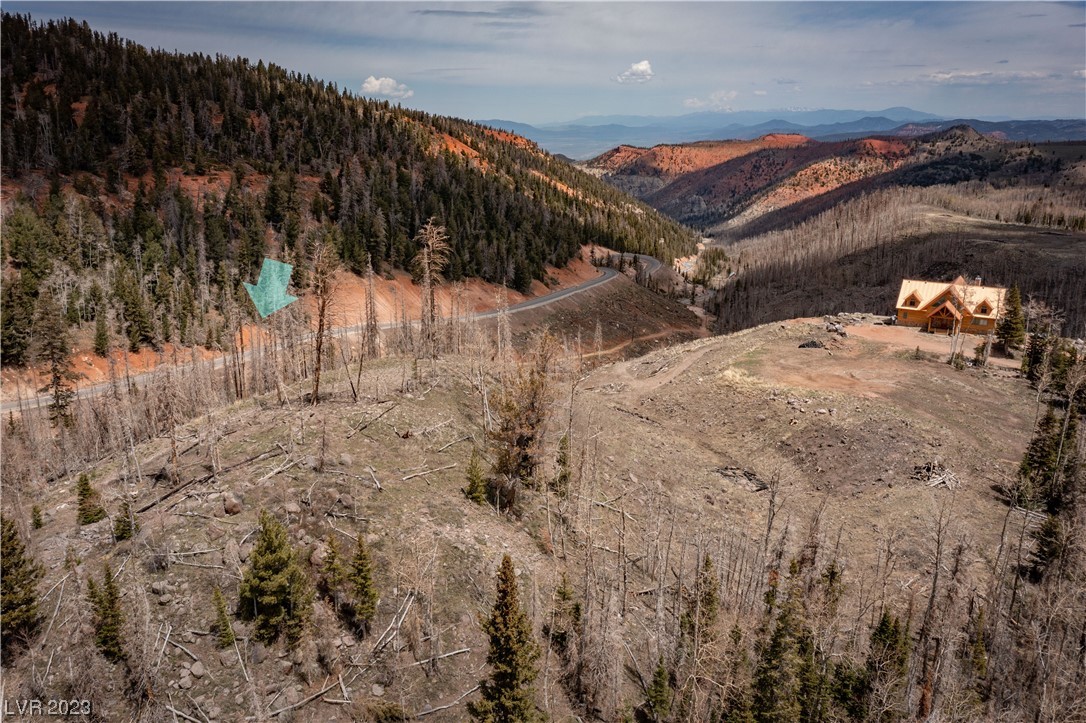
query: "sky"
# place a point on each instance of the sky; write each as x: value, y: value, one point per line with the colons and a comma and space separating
x: 552, y: 62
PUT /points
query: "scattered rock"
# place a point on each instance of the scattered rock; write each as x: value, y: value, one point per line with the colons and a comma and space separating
x: 822, y: 411
x: 258, y: 653
x: 377, y: 690
x: 227, y: 658
x: 197, y: 670
x: 320, y: 551
x: 185, y: 683
x: 285, y: 666
x: 158, y: 587
x: 231, y: 555
x: 231, y: 505
x: 346, y: 460
x: 346, y: 500
x: 292, y: 508
x: 812, y: 344
x: 165, y: 599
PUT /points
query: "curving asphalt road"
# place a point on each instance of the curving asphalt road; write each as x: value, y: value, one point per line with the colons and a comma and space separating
x: 606, y: 275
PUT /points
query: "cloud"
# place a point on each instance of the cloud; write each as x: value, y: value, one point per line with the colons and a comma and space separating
x: 640, y: 72
x: 717, y: 100
x: 978, y: 77
x: 386, y: 87
x: 1002, y: 62
x: 1080, y: 73
x: 760, y: 92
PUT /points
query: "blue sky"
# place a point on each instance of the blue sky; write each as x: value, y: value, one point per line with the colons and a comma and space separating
x: 547, y: 62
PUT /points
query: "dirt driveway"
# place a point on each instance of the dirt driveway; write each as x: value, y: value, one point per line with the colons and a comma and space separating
x: 910, y: 337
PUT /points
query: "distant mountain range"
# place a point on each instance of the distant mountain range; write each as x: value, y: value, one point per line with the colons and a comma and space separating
x: 589, y: 136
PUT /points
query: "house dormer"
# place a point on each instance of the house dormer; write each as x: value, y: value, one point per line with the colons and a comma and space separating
x: 912, y: 301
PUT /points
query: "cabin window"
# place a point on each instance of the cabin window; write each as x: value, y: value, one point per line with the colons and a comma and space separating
x: 983, y: 309
x: 982, y: 322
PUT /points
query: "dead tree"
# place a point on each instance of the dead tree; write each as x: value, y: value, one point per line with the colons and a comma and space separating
x: 325, y: 266
x: 430, y: 261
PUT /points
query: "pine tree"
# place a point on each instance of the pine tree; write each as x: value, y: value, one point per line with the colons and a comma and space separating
x: 51, y: 330
x: 1012, y: 327
x: 508, y: 694
x: 125, y: 526
x: 363, y: 589
x: 776, y: 686
x: 35, y: 517
x: 275, y: 592
x: 658, y: 696
x: 333, y: 576
x: 101, y: 334
x: 1038, y: 467
x: 476, y: 489
x: 736, y: 703
x: 222, y: 628
x: 108, y: 616
x: 89, y: 508
x: 19, y: 575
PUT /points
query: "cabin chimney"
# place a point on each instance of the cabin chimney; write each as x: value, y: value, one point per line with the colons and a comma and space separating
x: 976, y: 281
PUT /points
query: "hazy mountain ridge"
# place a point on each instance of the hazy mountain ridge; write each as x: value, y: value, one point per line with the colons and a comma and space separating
x: 585, y: 138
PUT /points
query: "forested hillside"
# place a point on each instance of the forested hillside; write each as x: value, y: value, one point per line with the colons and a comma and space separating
x: 142, y: 187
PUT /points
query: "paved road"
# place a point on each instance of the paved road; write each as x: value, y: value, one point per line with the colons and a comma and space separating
x: 217, y: 363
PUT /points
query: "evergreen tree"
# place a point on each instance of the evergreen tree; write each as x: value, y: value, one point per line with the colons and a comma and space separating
x: 776, y: 686
x: 658, y: 696
x: 333, y: 579
x: 565, y: 620
x: 35, y: 517
x: 101, y: 335
x: 51, y: 330
x: 125, y: 526
x: 363, y: 590
x: 222, y: 628
x: 887, y: 669
x: 108, y: 616
x: 19, y: 575
x: 1038, y: 468
x: 508, y: 695
x: 736, y: 700
x: 1012, y: 327
x: 476, y: 489
x: 275, y: 592
x: 89, y: 509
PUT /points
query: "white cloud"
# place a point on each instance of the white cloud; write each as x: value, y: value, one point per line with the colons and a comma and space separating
x: 957, y: 77
x: 640, y: 72
x: 760, y: 92
x: 1080, y: 73
x: 717, y: 100
x: 386, y: 87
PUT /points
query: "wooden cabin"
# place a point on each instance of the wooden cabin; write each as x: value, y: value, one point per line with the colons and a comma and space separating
x: 958, y: 306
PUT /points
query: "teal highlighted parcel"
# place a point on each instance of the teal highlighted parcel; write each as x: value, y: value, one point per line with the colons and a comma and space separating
x: 269, y: 295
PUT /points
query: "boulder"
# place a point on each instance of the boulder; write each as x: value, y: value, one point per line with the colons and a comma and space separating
x: 231, y: 505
